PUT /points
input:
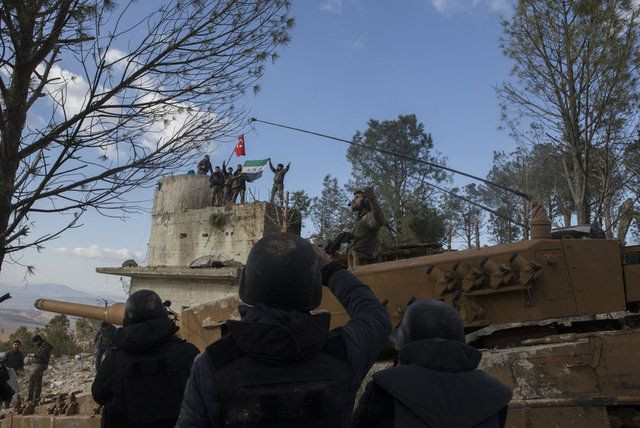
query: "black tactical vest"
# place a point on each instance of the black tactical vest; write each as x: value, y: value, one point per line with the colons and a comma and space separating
x: 153, y: 385
x: 307, y: 393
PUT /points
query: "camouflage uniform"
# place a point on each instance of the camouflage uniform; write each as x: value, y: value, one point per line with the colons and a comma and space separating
x: 239, y: 186
x: 216, y: 181
x: 41, y: 359
x: 278, y: 181
x: 365, y: 235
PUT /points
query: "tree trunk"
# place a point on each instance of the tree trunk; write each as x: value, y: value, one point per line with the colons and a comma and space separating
x: 477, y: 233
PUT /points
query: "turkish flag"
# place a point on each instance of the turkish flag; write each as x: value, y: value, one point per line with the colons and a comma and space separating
x: 240, y: 146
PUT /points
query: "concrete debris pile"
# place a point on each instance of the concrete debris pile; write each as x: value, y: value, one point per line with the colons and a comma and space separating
x: 65, y: 374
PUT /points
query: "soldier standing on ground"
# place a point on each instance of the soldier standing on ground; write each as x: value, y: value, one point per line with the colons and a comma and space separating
x: 41, y: 358
x: 280, y: 365
x: 204, y: 166
x: 103, y: 341
x: 141, y: 380
x: 216, y: 182
x: 436, y: 382
x: 238, y: 185
x: 278, y: 181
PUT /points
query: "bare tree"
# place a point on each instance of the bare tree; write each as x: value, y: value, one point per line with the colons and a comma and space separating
x: 576, y: 83
x: 93, y: 105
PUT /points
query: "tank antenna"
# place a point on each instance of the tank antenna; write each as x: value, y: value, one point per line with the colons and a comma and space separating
x: 401, y: 156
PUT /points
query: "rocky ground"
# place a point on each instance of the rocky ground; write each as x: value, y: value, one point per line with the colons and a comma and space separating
x: 65, y: 374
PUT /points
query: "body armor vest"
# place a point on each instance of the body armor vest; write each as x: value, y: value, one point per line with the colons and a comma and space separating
x: 308, y: 393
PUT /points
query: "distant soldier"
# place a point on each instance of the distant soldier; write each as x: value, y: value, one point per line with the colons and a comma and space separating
x: 238, y: 185
x: 370, y: 219
x: 103, y: 341
x: 41, y: 358
x: 216, y: 182
x: 141, y: 380
x: 228, y: 182
x: 204, y: 166
x: 278, y: 181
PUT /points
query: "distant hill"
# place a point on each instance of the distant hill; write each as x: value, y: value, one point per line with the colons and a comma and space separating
x: 22, y: 298
x: 19, y: 311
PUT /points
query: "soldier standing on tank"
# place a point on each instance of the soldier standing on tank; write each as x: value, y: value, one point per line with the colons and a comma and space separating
x: 141, y: 380
x: 280, y: 365
x: 238, y: 185
x: 204, y: 166
x: 436, y: 382
x: 216, y: 182
x: 278, y: 181
x: 41, y: 358
x: 103, y: 341
x: 364, y: 240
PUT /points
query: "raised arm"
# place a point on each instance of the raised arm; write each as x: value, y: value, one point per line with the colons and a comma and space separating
x: 378, y: 217
x: 369, y: 327
x: 271, y: 166
x: 287, y: 168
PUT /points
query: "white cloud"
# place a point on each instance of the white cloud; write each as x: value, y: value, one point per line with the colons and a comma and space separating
x: 332, y: 6
x: 96, y: 252
x: 359, y: 43
x: 452, y: 6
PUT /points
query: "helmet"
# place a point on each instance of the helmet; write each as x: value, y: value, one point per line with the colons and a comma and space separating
x: 282, y: 272
x: 428, y: 319
x: 143, y: 305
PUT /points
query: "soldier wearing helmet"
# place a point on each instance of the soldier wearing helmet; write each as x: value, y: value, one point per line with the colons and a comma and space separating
x: 141, y: 380
x: 204, y: 166
x: 280, y: 365
x: 436, y: 382
x: 370, y: 219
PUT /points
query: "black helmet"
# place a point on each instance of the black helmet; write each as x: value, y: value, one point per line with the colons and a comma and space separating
x: 282, y: 272
x: 143, y: 305
x: 428, y: 319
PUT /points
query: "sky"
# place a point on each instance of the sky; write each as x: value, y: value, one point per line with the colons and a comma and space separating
x: 349, y: 61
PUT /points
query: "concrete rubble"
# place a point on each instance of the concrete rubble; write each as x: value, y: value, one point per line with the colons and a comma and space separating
x: 65, y: 373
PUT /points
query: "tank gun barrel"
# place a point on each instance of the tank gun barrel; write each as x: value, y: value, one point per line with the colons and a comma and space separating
x: 113, y: 314
x: 401, y: 156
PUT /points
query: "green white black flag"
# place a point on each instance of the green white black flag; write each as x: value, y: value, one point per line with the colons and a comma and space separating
x: 252, y: 169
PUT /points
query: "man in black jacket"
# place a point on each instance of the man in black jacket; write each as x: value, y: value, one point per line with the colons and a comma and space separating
x: 436, y: 382
x: 141, y: 381
x: 280, y: 365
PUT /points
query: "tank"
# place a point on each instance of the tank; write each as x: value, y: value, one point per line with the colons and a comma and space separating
x: 555, y: 317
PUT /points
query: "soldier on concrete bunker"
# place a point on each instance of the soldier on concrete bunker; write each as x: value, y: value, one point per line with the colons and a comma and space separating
x: 228, y: 182
x: 280, y: 365
x: 278, y: 181
x: 216, y: 182
x: 204, y: 166
x: 141, y: 381
x: 436, y: 382
x: 238, y: 185
x: 41, y: 358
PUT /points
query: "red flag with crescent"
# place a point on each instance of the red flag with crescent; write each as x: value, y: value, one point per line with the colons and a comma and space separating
x: 240, y: 146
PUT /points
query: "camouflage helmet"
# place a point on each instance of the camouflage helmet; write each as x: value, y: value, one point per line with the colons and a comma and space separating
x: 282, y: 272
x: 428, y: 319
